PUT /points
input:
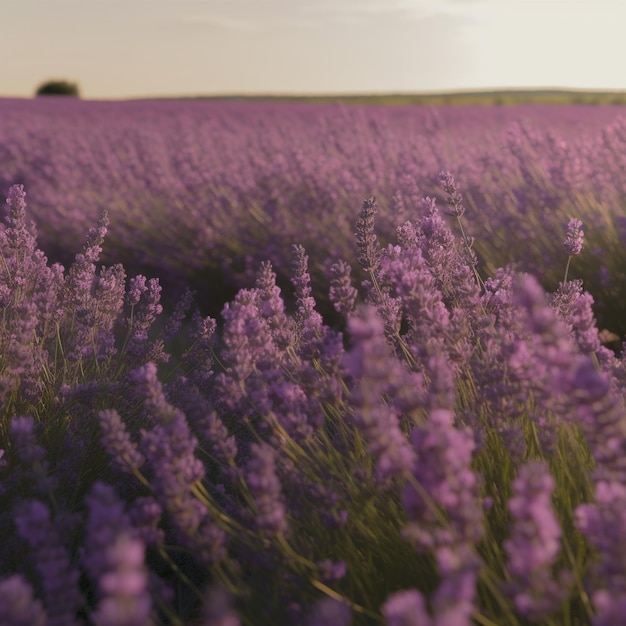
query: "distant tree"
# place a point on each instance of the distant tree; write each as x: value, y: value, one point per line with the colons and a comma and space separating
x: 58, y: 88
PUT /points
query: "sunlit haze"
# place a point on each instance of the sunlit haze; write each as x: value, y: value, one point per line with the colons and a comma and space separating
x: 134, y: 48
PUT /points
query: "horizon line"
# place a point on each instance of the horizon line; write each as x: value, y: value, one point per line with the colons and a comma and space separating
x: 355, y: 94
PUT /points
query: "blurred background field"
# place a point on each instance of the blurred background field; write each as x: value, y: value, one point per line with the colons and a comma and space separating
x: 201, y: 191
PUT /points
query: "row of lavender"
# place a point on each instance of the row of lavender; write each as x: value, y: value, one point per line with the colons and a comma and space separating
x: 206, y: 191
x: 456, y: 457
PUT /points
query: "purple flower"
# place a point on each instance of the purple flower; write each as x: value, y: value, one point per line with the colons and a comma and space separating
x: 107, y: 519
x: 600, y: 413
x: 145, y: 514
x: 442, y: 389
x: 575, y: 307
x: 372, y: 366
x: 123, y: 586
x: 413, y: 287
x: 541, y: 357
x: 308, y: 320
x: 497, y: 296
x: 197, y: 360
x: 58, y: 576
x: 603, y: 523
x: 450, y: 268
x: 175, y: 320
x: 342, y: 294
x: 573, y: 243
x: 136, y: 288
x: 272, y: 308
x: 18, y: 607
x: 454, y: 600
x: 443, y: 456
x: 455, y: 200
x: 149, y: 386
x: 407, y: 235
x: 79, y: 295
x: 251, y: 354
x: 95, y: 238
x: 21, y: 261
x: 23, y: 357
x: 204, y: 421
x: 406, y: 608
x: 116, y: 441
x: 369, y: 252
x: 31, y: 454
x: 534, y: 543
x: 145, y: 311
x: 610, y: 608
x: 271, y: 305
x: 108, y: 305
x: 169, y: 449
x: 17, y: 205
x: 288, y: 404
x: 23, y: 433
x: 260, y: 472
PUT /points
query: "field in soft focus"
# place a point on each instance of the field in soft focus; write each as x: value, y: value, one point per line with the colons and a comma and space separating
x: 396, y: 395
x: 204, y: 191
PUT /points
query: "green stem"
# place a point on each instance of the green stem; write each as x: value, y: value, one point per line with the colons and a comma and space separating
x: 569, y: 260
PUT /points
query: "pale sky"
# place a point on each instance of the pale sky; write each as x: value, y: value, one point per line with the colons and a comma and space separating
x: 135, y: 48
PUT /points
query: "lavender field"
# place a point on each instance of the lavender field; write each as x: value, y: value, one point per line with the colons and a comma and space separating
x: 274, y: 364
x: 203, y: 192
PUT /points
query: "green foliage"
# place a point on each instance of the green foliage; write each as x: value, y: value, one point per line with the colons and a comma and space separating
x: 58, y: 88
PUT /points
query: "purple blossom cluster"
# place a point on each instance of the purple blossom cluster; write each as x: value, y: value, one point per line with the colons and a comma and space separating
x: 573, y: 243
x: 602, y: 522
x: 114, y: 558
x: 381, y: 449
x: 534, y: 543
x: 374, y: 369
x: 58, y: 576
x: 265, y: 488
x: 444, y: 484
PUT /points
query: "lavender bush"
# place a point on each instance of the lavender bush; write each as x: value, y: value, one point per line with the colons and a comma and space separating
x: 449, y: 452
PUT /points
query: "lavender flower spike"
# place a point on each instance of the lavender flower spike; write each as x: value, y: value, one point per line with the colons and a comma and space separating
x: 602, y: 523
x: 369, y: 252
x: 266, y: 490
x: 17, y: 204
x: 455, y: 200
x: 125, y: 599
x: 373, y: 366
x: 406, y: 608
x: 573, y: 243
x: 116, y: 440
x: 59, y: 577
x: 17, y: 605
x: 534, y: 543
x: 342, y: 294
x: 443, y: 467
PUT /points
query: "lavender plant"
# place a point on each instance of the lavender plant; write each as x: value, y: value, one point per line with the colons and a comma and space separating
x: 450, y: 453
